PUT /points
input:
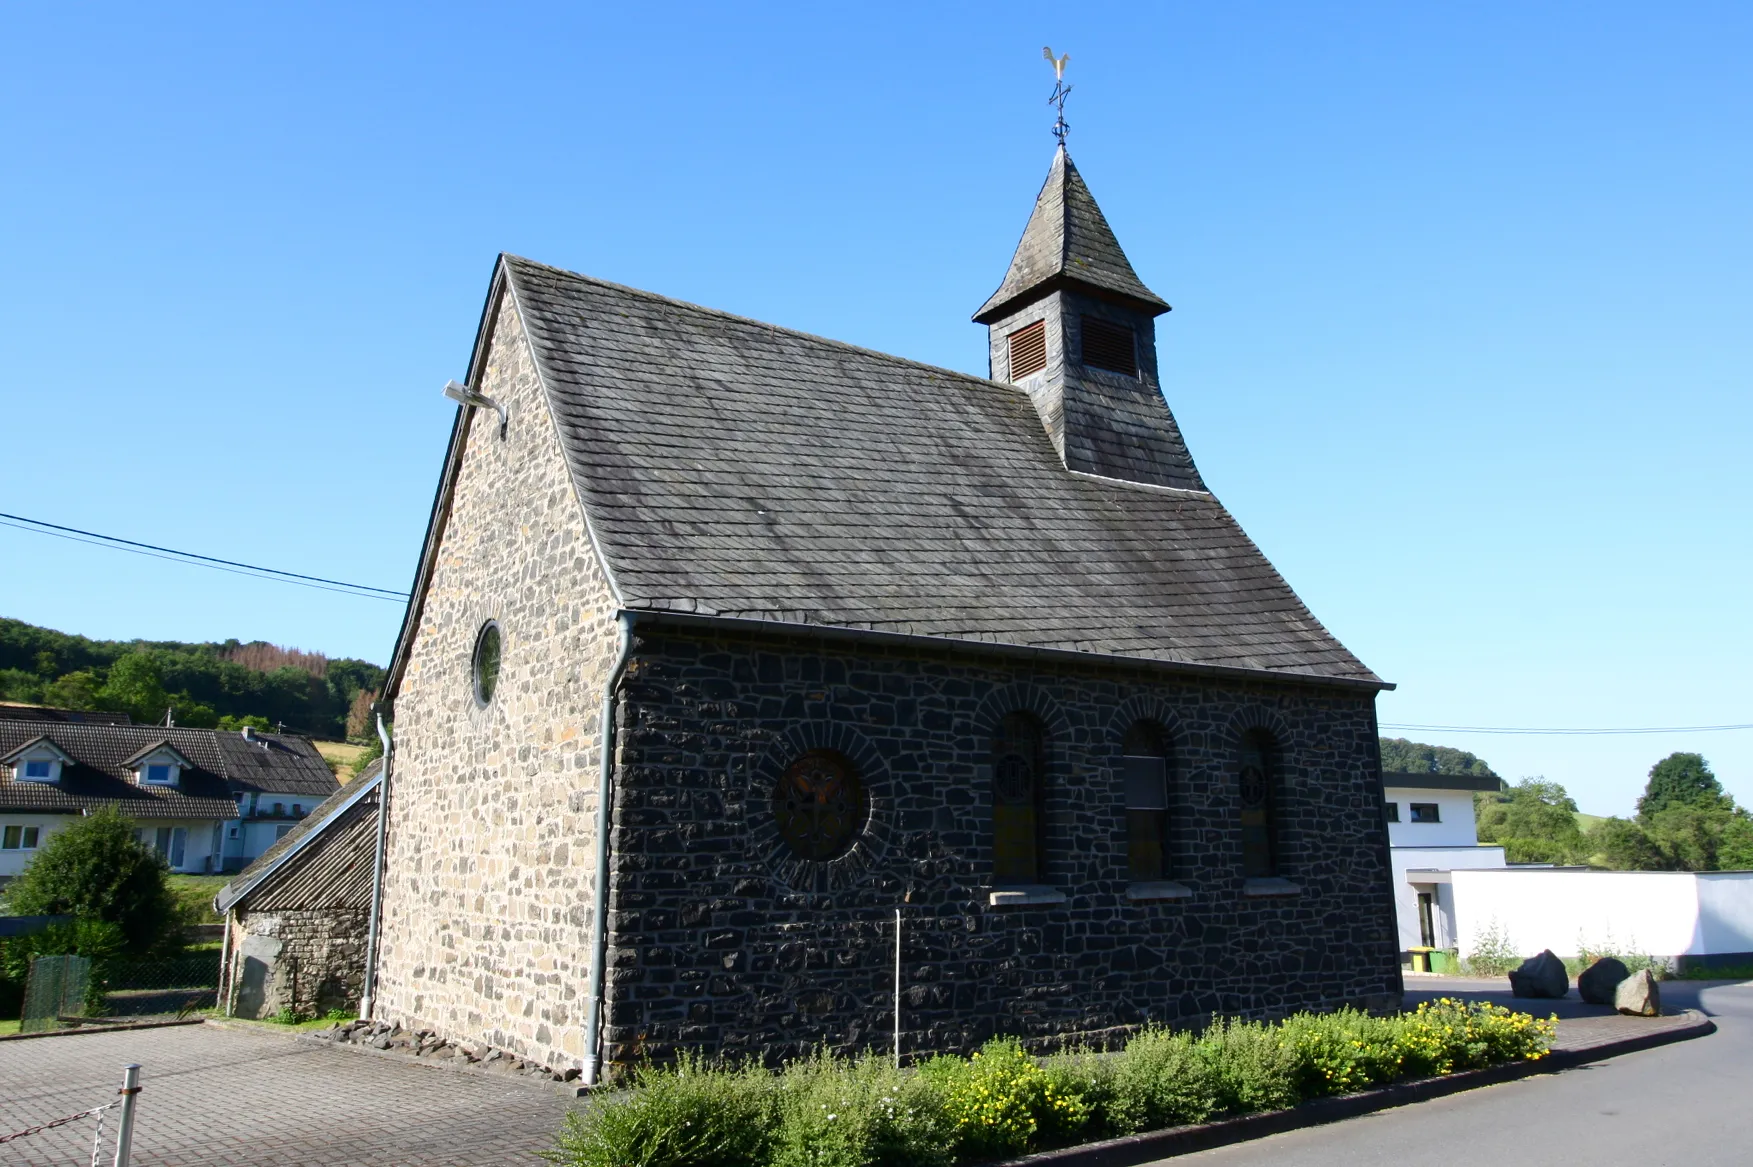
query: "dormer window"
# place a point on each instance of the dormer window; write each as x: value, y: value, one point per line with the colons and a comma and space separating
x: 38, y: 760
x: 158, y: 765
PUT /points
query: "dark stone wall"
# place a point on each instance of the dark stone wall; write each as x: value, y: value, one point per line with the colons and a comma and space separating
x: 719, y: 938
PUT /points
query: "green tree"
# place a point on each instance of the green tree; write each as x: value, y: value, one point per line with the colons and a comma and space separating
x: 75, y: 690
x: 1623, y: 845
x: 135, y: 686
x: 1400, y: 756
x: 1678, y: 780
x: 1535, y: 822
x: 95, y: 869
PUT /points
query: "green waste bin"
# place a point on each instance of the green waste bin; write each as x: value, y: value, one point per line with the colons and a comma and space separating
x: 1443, y: 960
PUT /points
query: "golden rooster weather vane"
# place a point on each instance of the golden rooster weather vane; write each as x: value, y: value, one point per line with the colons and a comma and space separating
x: 1060, y: 92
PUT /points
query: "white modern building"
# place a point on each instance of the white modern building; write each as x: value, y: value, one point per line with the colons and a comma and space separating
x: 1431, y: 832
x: 1451, y: 892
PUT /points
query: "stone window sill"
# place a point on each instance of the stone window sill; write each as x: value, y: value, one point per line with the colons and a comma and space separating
x: 1163, y: 889
x: 1007, y: 897
x: 1262, y: 886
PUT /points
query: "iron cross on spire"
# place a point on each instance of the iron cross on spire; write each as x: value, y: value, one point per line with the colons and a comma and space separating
x: 1060, y: 92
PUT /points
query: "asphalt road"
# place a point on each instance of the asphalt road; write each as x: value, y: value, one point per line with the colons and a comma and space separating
x: 1687, y: 1105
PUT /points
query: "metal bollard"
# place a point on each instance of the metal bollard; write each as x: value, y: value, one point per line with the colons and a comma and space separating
x: 125, y: 1128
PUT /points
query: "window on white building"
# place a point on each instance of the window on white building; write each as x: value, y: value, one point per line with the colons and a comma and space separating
x: 19, y: 838
x: 1426, y: 812
x: 39, y: 770
x: 1393, y: 812
x: 158, y: 773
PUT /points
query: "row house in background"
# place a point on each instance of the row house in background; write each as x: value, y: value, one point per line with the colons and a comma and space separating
x: 207, y: 800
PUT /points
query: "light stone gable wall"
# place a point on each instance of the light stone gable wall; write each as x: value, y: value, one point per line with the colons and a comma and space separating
x: 487, y: 884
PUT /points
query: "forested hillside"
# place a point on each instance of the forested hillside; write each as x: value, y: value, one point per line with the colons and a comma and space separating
x: 1400, y: 756
x: 227, y: 684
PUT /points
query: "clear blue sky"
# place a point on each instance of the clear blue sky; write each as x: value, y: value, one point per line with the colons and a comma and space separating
x: 1461, y: 297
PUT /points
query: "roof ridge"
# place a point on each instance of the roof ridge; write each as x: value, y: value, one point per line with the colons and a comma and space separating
x: 768, y: 326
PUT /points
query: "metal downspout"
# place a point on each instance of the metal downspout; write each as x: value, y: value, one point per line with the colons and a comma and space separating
x: 599, y: 923
x: 369, y: 989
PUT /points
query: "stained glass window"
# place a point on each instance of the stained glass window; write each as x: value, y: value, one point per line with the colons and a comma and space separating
x: 486, y: 662
x: 1145, y: 772
x: 1256, y: 782
x: 1018, y: 765
x: 820, y: 805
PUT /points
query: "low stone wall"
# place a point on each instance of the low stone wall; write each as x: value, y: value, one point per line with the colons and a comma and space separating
x: 310, y: 961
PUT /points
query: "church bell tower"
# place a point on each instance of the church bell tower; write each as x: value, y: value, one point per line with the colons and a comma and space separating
x: 1074, y: 326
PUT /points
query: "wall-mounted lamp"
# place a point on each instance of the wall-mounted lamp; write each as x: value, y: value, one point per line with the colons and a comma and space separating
x: 463, y: 395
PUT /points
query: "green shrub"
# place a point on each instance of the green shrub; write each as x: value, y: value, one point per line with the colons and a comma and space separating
x: 1250, y: 1065
x: 1343, y: 1052
x: 1090, y: 1076
x: 95, y: 868
x: 692, y: 1114
x: 98, y: 940
x: 831, y: 1112
x: 1445, y: 1035
x: 1160, y: 1080
x: 1492, y: 954
x: 999, y: 1100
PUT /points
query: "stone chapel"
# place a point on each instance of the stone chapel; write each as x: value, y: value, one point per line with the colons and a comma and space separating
x: 728, y: 642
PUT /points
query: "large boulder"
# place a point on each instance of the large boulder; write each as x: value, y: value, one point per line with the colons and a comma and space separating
x: 1638, y: 995
x: 1540, y: 976
x: 1596, y: 983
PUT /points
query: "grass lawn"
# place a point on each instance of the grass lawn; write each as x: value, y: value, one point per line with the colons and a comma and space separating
x: 9, y: 1026
x: 1586, y: 821
x: 340, y: 756
x: 196, y: 892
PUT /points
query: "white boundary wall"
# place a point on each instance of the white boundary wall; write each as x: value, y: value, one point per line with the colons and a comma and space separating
x: 1661, y: 913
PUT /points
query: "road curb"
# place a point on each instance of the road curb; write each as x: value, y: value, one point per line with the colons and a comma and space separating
x: 1132, y: 1150
x: 120, y: 1027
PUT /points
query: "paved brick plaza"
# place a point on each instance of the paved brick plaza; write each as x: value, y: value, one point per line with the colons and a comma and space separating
x: 224, y: 1096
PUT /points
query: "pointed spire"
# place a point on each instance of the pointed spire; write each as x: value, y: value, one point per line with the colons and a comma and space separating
x: 1068, y: 241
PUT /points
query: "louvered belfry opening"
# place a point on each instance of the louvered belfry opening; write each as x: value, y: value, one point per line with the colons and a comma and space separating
x: 1028, y: 350
x: 1109, y: 346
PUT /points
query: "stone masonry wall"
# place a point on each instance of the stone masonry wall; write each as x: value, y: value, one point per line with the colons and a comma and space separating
x: 720, y: 939
x: 310, y: 961
x: 487, y: 896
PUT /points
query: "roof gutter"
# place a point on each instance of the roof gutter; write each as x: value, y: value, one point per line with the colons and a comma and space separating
x: 599, y: 922
x: 1068, y: 656
x: 369, y: 990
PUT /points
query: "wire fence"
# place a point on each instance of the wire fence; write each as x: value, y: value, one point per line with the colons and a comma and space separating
x: 179, y: 985
x: 70, y: 989
x: 124, y: 1127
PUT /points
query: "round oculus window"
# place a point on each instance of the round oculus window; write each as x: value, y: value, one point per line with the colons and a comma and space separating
x: 820, y: 805
x: 485, y: 665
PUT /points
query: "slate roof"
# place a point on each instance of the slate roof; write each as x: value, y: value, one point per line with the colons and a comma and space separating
x: 224, y: 765
x: 1067, y: 239
x: 734, y: 468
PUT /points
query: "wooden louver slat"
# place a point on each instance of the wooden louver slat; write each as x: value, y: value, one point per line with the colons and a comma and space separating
x: 1028, y: 350
x: 1109, y: 346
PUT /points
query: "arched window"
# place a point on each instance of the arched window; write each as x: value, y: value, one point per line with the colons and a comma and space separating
x: 1258, y: 781
x: 1018, y: 821
x: 1144, y: 769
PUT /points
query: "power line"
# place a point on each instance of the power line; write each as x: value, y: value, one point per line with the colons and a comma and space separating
x: 1527, y: 730
x: 115, y: 543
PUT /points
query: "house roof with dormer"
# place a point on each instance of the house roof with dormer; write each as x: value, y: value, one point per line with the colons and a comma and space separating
x: 734, y: 469
x: 1068, y: 240
x: 100, y: 763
